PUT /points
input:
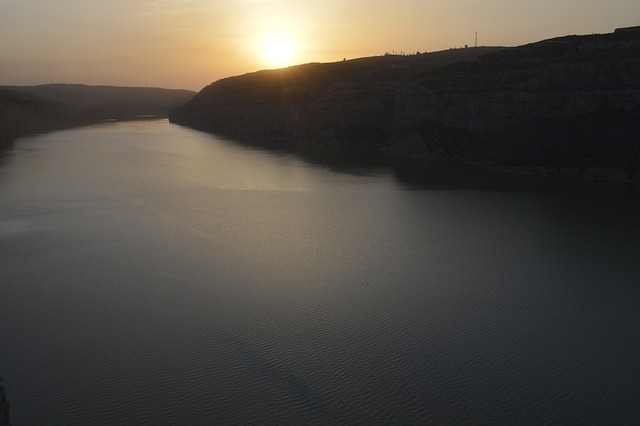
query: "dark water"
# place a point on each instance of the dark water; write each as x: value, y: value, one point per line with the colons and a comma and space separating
x: 151, y: 274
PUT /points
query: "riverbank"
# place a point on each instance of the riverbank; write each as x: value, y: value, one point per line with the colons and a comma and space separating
x: 26, y: 110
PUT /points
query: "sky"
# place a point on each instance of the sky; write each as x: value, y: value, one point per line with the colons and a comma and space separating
x: 191, y: 43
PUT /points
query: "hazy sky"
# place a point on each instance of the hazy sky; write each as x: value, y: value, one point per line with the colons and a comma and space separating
x: 191, y: 43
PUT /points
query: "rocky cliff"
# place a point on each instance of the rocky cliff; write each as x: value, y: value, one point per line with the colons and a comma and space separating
x: 564, y: 106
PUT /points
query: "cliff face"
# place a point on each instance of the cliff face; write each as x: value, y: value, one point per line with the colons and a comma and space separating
x: 557, y: 78
x: 565, y: 106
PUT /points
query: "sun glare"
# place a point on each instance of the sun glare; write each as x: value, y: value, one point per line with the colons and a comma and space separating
x: 278, y: 52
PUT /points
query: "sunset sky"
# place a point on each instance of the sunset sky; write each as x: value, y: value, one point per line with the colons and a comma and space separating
x: 191, y: 43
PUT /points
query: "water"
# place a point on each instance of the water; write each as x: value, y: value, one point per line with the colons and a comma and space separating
x: 152, y: 274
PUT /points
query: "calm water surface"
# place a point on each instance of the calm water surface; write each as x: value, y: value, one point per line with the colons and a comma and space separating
x: 152, y: 274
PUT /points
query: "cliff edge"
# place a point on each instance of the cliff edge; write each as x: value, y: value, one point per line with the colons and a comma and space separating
x: 341, y: 104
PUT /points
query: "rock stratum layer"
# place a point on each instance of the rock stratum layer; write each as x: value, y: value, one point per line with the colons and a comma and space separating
x: 565, y: 106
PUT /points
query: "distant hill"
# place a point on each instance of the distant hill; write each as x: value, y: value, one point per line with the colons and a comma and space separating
x: 112, y: 102
x: 564, y: 106
x: 32, y: 109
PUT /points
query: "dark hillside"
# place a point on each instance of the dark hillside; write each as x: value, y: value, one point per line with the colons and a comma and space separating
x: 109, y: 102
x: 23, y: 113
x: 34, y: 109
x: 316, y: 78
x: 563, y: 106
x: 337, y: 104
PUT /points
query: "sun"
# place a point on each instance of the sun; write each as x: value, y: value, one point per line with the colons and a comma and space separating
x: 277, y: 51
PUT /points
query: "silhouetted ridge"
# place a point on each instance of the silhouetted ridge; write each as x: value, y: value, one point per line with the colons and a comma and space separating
x: 563, y: 106
x: 337, y: 104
